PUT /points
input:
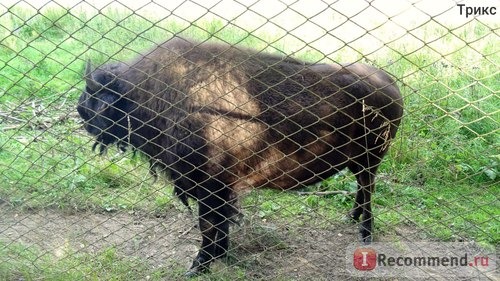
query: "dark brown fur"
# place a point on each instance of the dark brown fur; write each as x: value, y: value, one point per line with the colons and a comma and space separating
x: 221, y: 120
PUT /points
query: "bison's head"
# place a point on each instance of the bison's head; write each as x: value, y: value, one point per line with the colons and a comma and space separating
x: 103, y: 107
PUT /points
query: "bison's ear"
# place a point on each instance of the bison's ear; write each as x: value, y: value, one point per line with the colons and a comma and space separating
x: 91, y: 83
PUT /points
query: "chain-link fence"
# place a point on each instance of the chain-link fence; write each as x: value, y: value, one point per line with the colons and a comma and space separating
x: 245, y: 95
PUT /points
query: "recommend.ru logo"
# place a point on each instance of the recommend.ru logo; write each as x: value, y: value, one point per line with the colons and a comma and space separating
x: 365, y: 259
x: 421, y: 259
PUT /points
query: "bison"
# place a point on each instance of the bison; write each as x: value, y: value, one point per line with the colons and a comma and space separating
x: 219, y: 120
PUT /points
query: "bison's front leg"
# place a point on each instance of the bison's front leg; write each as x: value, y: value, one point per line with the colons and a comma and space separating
x: 214, y: 227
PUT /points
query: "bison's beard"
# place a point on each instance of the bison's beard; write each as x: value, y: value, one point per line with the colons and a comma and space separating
x: 103, y: 148
x: 104, y: 140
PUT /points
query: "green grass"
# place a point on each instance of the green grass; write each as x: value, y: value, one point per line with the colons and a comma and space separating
x: 52, y: 169
x: 440, y: 177
x: 21, y: 262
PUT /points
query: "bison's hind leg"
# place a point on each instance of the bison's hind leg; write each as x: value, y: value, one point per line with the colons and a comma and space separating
x: 362, y: 205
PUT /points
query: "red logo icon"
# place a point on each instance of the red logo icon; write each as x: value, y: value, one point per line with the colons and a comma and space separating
x: 365, y: 259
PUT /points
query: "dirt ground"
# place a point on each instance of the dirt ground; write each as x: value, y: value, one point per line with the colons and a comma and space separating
x: 265, y: 250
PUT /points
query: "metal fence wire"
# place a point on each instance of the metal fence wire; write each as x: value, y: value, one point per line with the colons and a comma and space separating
x: 269, y: 120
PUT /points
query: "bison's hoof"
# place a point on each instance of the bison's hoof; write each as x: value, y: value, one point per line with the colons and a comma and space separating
x: 200, y: 266
x: 365, y: 236
x: 193, y: 272
x: 196, y: 271
x: 367, y: 240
